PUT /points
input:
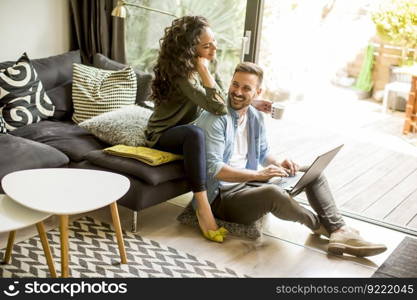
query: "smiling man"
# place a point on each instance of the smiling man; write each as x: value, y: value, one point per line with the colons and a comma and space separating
x: 236, y: 144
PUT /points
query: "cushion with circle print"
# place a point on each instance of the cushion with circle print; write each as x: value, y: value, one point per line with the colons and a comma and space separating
x: 23, y: 99
x: 2, y: 125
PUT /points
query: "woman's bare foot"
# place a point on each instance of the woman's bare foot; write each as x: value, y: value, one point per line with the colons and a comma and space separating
x: 206, y: 219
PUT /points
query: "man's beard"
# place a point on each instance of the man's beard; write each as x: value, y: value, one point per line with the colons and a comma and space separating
x: 238, y: 102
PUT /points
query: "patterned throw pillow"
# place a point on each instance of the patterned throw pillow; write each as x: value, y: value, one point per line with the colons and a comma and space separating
x: 22, y: 97
x: 124, y: 126
x: 150, y: 156
x: 96, y: 91
x: 2, y: 125
x: 251, y: 231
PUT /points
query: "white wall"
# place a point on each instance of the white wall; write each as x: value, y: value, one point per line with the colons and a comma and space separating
x: 39, y: 27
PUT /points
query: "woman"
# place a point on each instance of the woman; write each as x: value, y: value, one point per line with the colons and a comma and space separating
x: 182, y: 87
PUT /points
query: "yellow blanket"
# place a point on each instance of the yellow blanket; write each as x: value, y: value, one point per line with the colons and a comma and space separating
x: 149, y: 156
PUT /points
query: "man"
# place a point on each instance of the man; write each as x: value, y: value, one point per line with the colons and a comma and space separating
x: 236, y: 144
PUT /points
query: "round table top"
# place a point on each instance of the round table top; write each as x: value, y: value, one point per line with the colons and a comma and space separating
x: 65, y: 191
x: 14, y: 216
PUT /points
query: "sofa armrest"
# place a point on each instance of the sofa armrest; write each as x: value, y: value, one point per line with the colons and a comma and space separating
x: 17, y: 154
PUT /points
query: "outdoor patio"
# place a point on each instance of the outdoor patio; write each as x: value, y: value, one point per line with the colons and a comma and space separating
x: 375, y: 174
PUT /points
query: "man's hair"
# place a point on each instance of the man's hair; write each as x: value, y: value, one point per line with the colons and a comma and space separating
x: 251, y: 68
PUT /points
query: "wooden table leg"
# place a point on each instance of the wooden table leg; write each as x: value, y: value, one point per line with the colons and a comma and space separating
x: 46, y: 249
x: 63, y: 228
x: 118, y: 229
x: 10, y: 241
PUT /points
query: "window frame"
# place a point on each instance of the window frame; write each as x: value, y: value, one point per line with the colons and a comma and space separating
x: 253, y: 23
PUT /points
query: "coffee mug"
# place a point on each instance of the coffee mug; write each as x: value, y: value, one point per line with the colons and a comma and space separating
x: 277, y: 111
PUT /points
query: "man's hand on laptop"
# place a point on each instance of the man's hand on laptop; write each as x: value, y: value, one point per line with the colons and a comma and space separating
x: 271, y: 171
x: 290, y: 166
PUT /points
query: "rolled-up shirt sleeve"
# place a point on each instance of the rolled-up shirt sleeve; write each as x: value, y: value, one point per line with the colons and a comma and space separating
x: 215, y: 130
x: 263, y: 145
x: 210, y: 99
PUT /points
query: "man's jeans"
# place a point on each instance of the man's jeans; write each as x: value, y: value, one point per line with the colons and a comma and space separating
x: 245, y: 204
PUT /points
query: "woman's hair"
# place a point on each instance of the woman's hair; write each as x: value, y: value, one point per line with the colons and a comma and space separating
x: 177, y: 54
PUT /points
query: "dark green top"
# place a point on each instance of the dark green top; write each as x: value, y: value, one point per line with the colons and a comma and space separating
x: 187, y: 100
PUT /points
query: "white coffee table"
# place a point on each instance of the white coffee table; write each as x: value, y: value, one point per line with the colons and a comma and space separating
x: 14, y: 216
x: 64, y: 192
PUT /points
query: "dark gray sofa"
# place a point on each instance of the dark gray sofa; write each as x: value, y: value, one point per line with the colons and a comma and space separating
x: 58, y: 142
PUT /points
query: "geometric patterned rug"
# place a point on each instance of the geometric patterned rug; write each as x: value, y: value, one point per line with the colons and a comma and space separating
x: 94, y: 253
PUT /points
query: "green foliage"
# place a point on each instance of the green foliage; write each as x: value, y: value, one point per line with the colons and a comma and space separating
x: 396, y: 22
x: 364, y: 82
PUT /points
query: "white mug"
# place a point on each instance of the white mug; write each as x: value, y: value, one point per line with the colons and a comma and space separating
x: 277, y: 111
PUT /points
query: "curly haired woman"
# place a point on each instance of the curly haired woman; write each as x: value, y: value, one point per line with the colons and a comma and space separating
x: 182, y: 87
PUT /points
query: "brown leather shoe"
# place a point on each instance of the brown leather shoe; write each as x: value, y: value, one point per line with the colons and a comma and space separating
x: 350, y: 242
x: 321, y: 231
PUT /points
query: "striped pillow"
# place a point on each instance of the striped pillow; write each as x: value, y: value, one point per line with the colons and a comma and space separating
x: 96, y: 91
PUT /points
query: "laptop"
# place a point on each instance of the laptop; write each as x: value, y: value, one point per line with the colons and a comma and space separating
x: 295, y: 184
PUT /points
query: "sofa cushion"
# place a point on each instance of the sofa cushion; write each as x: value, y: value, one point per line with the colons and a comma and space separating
x: 71, y: 139
x: 55, y: 73
x: 23, y: 99
x: 17, y: 153
x: 151, y: 175
x: 141, y: 194
x: 150, y: 156
x: 124, y: 126
x: 61, y: 96
x: 96, y: 91
x: 144, y: 79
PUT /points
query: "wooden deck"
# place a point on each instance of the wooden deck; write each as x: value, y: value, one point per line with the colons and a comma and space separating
x: 375, y: 173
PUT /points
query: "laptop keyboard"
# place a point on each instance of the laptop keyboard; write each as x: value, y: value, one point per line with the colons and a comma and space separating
x: 287, y: 182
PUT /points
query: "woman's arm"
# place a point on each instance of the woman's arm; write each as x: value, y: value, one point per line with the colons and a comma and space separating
x: 202, y: 66
x: 209, y: 98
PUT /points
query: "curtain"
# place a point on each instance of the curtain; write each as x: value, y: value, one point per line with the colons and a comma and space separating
x: 96, y: 31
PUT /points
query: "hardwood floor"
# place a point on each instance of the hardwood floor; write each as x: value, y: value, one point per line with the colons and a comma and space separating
x: 286, y: 249
x: 375, y: 173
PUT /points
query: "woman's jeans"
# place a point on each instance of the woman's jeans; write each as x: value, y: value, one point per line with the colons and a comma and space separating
x: 189, y: 141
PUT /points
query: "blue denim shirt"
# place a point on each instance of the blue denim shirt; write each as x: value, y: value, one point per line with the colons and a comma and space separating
x: 220, y: 132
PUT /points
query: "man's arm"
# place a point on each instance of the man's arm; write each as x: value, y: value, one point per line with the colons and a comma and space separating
x: 288, y: 165
x: 271, y: 160
x: 214, y: 130
x: 227, y: 173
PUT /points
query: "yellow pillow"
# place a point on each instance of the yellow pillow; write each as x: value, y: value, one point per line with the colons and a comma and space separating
x: 149, y: 156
